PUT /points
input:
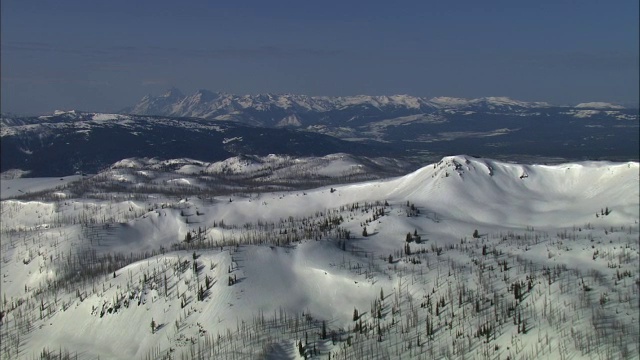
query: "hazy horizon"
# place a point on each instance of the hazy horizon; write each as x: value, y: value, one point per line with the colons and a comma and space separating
x: 106, y: 56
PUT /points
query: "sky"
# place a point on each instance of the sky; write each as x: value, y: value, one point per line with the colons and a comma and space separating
x: 104, y: 56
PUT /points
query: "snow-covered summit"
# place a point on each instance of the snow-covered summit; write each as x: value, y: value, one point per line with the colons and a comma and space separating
x: 598, y: 105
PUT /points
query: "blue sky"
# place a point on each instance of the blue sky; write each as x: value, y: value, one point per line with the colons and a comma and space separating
x: 103, y: 56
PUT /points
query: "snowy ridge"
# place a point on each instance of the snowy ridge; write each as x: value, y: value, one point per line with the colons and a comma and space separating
x: 266, y: 169
x: 487, y: 189
x: 489, y: 102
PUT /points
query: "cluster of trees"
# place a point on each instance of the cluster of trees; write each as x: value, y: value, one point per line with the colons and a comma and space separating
x: 59, y: 354
x: 413, y: 237
x: 412, y: 210
x: 604, y: 212
x: 401, y: 327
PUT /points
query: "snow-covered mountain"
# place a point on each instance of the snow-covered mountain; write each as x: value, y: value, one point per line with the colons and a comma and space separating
x: 219, y: 105
x: 158, y: 105
x: 463, y: 258
x: 207, y: 104
x: 420, y: 124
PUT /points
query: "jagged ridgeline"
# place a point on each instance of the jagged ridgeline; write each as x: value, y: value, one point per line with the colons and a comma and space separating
x: 463, y: 258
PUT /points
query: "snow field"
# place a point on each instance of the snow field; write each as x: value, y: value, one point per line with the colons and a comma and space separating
x: 548, y: 276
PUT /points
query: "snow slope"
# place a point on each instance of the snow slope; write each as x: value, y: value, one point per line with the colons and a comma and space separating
x: 280, y: 267
x: 20, y: 186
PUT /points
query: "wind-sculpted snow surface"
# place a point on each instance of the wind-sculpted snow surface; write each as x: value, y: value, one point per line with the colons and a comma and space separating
x: 464, y: 258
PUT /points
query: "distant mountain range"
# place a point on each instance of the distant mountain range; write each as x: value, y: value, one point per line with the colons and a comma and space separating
x: 210, y: 127
x: 278, y: 110
x: 497, y: 127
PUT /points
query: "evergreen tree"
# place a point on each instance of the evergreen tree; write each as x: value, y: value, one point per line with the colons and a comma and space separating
x: 364, y: 232
x: 407, y: 249
x: 475, y: 234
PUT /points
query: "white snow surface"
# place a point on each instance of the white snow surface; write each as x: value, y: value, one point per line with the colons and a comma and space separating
x: 20, y: 186
x: 315, y: 277
x: 599, y: 105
